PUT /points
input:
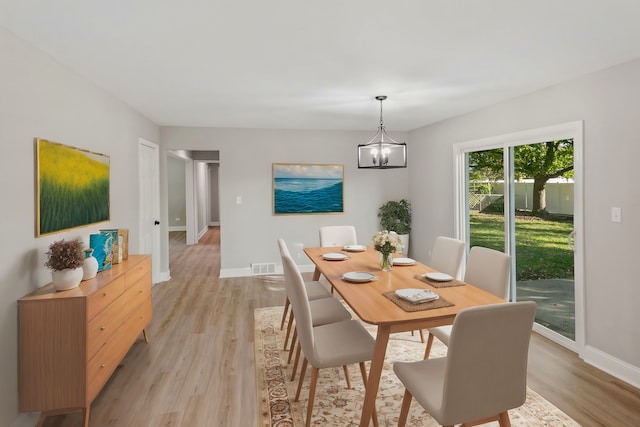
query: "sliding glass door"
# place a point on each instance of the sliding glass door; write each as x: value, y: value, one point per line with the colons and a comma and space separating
x: 518, y: 195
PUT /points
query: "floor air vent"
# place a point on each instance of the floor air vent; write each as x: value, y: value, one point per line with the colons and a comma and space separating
x: 263, y: 268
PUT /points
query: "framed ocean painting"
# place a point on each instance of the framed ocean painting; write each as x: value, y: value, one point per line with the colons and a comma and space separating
x: 300, y: 188
x: 72, y: 187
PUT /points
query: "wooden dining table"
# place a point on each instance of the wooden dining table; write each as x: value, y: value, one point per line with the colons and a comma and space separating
x: 369, y: 303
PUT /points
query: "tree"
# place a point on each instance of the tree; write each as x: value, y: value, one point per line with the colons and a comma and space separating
x: 540, y: 162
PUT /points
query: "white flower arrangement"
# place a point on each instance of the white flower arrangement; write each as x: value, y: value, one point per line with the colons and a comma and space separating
x: 387, y: 242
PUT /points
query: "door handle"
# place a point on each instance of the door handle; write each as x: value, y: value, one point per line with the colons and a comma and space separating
x: 570, y: 238
x: 156, y: 222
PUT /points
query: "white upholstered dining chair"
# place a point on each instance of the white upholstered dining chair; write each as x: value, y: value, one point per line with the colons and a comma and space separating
x: 337, y: 235
x: 315, y: 290
x: 486, y: 269
x: 484, y: 373
x: 327, y: 346
x: 324, y: 310
x: 447, y: 255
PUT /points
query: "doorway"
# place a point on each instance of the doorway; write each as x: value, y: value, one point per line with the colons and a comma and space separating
x: 193, y: 194
x: 521, y: 194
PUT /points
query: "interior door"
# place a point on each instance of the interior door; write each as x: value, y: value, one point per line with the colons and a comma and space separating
x: 149, y: 203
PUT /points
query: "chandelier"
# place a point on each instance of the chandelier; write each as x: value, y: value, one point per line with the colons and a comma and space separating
x: 382, y: 151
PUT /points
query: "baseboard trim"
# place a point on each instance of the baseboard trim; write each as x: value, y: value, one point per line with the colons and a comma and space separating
x: 226, y: 273
x: 178, y: 228
x: 306, y: 268
x: 164, y: 277
x: 26, y: 419
x: 612, y: 365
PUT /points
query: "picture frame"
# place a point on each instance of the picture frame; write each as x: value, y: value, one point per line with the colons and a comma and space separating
x: 307, y: 189
x: 72, y: 187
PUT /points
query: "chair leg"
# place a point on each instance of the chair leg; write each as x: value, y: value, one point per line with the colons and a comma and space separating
x: 346, y: 376
x: 312, y: 394
x: 404, y: 410
x: 421, y: 334
x: 503, y: 419
x: 284, y: 313
x: 294, y: 340
x: 363, y: 371
x: 286, y: 338
x: 303, y: 373
x: 295, y: 364
x: 429, y: 344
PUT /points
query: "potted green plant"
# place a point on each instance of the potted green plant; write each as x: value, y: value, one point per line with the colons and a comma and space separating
x: 65, y: 259
x: 396, y: 216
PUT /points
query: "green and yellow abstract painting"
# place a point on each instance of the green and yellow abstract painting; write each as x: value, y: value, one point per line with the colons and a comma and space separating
x: 73, y: 187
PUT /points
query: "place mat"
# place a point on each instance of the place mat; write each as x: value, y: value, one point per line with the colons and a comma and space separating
x: 436, y: 284
x: 409, y: 306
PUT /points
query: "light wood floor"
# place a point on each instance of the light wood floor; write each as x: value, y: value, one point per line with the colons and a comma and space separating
x: 198, y: 369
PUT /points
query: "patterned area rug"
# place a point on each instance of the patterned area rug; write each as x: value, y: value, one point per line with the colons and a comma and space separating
x: 335, y: 405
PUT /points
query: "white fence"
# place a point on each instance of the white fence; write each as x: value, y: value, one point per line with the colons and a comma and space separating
x: 559, y: 197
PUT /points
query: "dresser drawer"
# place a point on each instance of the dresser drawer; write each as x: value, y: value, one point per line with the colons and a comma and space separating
x: 139, y: 291
x: 106, y: 360
x: 104, y: 296
x: 137, y: 272
x: 141, y: 316
x: 105, y: 324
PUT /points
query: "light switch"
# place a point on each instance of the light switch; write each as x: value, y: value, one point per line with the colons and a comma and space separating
x: 238, y: 200
x: 616, y: 215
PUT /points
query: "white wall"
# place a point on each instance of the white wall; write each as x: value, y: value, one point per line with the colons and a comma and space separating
x: 609, y: 103
x: 214, y: 210
x: 176, y: 198
x: 201, y: 186
x: 249, y: 231
x: 40, y: 98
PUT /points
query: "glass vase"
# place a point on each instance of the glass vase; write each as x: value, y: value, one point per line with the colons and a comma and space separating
x: 386, y: 261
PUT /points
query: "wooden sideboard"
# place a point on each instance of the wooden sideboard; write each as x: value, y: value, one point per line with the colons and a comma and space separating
x: 70, y: 342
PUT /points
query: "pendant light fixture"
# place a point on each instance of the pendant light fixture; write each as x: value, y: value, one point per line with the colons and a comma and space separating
x: 382, y: 151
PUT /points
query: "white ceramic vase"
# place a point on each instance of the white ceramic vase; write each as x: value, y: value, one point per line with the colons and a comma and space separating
x: 66, y: 279
x: 405, y: 243
x: 89, y: 266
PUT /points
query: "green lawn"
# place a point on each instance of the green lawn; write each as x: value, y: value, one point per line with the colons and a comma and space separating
x: 541, y: 245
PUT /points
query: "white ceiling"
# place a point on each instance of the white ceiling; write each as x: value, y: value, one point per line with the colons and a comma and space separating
x: 296, y: 64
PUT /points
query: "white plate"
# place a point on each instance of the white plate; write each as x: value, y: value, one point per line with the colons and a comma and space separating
x: 334, y: 256
x: 417, y: 295
x: 403, y: 261
x: 438, y: 277
x: 355, y: 248
x: 359, y: 276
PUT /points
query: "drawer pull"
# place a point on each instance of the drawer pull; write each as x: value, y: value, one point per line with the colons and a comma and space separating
x: 103, y: 366
x: 104, y: 294
x: 140, y: 291
x: 102, y: 328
